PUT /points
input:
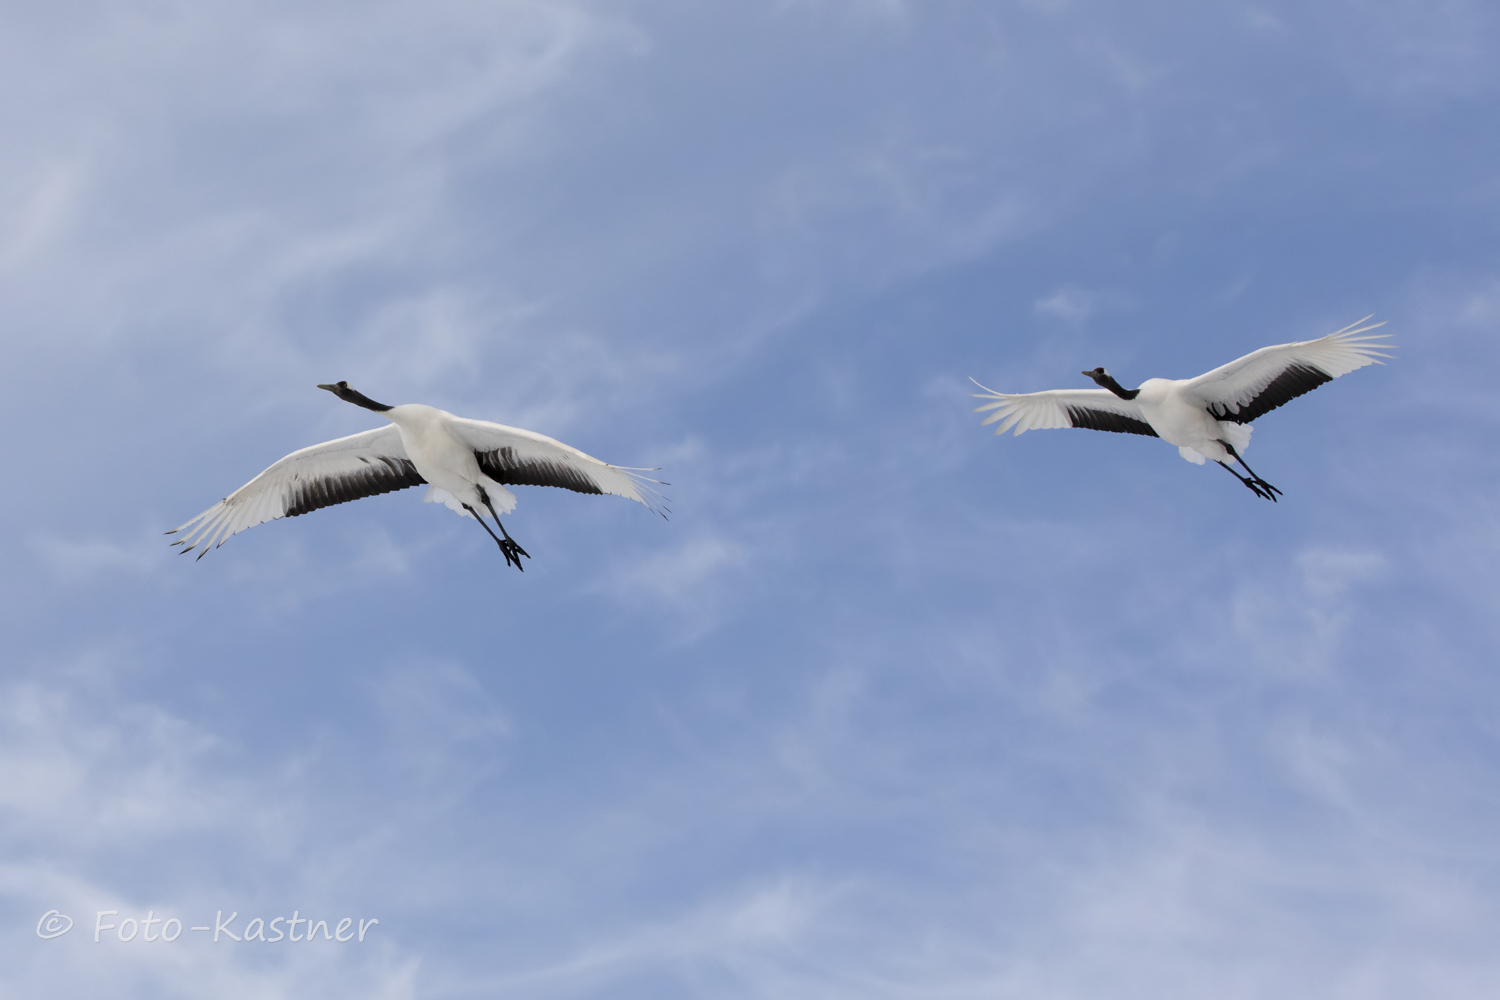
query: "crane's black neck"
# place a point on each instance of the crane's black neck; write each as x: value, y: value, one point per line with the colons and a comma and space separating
x: 348, y: 395
x: 1107, y: 381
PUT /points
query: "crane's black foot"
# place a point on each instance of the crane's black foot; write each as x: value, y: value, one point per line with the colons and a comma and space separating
x: 513, y: 553
x: 1261, y: 489
x: 1259, y: 485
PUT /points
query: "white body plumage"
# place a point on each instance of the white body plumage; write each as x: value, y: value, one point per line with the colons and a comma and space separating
x: 445, y: 461
x: 1167, y: 406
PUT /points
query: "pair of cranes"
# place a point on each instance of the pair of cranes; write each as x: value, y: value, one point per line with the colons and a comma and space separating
x: 468, y: 464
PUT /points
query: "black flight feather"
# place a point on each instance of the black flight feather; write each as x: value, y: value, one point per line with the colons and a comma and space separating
x: 503, y: 465
x: 1291, y: 383
x: 1106, y: 420
x: 385, y: 475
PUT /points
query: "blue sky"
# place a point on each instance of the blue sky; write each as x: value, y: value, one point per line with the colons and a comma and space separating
x: 890, y: 708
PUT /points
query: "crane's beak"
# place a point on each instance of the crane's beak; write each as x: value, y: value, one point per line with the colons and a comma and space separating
x: 331, y: 388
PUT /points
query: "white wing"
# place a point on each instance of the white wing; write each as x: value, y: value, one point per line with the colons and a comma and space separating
x: 1259, y: 382
x: 1095, y: 409
x: 360, y: 465
x: 512, y: 456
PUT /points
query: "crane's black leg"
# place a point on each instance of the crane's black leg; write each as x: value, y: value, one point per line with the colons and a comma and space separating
x: 509, y: 558
x: 1255, y: 487
x: 515, y: 551
x: 1254, y: 478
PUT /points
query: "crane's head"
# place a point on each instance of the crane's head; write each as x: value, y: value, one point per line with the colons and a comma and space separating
x: 348, y: 395
x: 1107, y: 381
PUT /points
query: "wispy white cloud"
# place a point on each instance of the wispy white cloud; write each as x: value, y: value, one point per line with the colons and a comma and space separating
x: 1076, y: 304
x: 89, y: 780
x: 1438, y: 52
x: 75, y: 559
x: 729, y: 935
x: 368, y: 98
x: 99, y: 785
x: 444, y: 727
x: 689, y: 580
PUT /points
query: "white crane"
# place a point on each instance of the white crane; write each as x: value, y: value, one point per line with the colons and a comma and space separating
x: 468, y: 464
x: 1205, y: 417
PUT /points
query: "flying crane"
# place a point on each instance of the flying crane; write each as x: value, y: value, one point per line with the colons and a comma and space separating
x: 1207, y: 417
x: 467, y: 464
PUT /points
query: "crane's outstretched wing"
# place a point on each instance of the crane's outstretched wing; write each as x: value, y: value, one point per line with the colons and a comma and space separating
x: 360, y: 465
x: 1096, y: 409
x: 1259, y: 382
x: 512, y: 456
